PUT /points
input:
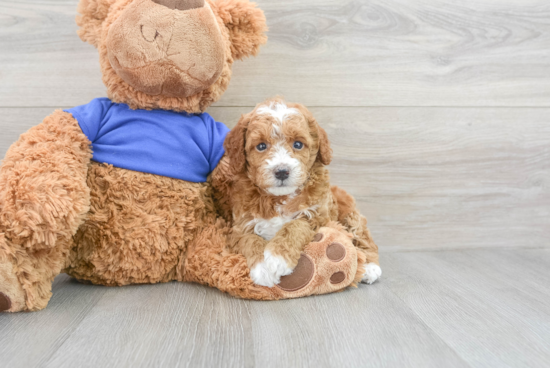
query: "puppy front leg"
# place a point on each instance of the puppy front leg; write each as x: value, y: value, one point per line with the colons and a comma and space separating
x: 263, y: 267
x: 251, y: 246
x: 289, y: 242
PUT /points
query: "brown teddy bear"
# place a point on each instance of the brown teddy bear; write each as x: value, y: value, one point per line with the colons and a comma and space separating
x: 119, y: 191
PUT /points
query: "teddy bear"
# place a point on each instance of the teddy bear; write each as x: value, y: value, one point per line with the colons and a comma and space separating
x: 119, y: 191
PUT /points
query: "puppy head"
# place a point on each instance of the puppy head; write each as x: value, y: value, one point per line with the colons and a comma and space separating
x: 276, y: 145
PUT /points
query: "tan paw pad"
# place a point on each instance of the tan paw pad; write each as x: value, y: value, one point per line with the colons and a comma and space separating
x: 318, y: 237
x: 302, y: 275
x: 336, y: 252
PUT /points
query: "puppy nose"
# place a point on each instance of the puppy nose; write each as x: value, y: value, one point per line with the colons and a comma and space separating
x: 282, y: 174
x: 181, y: 4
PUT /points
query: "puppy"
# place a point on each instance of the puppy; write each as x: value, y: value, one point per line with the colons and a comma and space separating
x: 279, y: 191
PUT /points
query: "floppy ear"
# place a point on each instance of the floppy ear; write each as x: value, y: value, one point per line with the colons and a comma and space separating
x: 325, y: 151
x: 93, y: 13
x: 246, y: 24
x: 235, y: 145
x: 324, y: 155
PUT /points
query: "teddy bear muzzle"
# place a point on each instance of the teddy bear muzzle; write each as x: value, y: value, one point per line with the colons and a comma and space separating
x: 167, y: 47
x: 181, y: 4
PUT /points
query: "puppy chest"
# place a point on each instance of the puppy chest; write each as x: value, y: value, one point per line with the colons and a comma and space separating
x: 267, y: 229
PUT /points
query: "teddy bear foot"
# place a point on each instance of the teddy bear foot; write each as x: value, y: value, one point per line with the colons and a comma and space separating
x: 328, y: 264
x: 12, y: 296
x: 5, y: 302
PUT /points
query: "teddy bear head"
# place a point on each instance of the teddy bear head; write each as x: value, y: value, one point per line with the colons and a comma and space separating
x: 170, y: 54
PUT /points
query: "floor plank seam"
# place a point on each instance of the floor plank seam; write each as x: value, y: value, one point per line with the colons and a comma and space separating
x: 420, y: 319
x: 44, y: 362
x: 455, y: 249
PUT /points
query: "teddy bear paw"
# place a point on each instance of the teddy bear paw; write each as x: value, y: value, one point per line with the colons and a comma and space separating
x: 270, y: 270
x: 5, y: 302
x: 328, y: 264
x: 372, y: 273
x: 12, y: 296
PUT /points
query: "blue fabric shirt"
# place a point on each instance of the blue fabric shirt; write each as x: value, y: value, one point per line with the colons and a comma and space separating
x: 178, y: 145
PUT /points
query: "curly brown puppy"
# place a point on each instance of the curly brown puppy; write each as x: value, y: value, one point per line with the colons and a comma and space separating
x: 280, y: 194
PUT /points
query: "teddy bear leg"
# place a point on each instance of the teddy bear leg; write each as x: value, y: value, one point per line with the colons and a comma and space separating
x: 26, y: 276
x: 207, y: 262
x: 43, y: 200
x: 12, y: 295
x: 329, y: 263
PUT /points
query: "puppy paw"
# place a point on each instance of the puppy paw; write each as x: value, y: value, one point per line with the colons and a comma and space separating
x: 372, y: 273
x: 270, y: 270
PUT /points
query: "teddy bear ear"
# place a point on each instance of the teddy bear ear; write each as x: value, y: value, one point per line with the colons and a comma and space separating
x: 90, y: 20
x: 247, y: 26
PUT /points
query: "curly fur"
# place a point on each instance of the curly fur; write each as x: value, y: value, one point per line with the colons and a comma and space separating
x: 93, y: 13
x: 59, y: 211
x: 250, y: 198
x: 227, y: 272
x: 246, y: 25
x: 243, y: 26
x: 356, y: 224
x: 43, y: 200
x: 132, y: 211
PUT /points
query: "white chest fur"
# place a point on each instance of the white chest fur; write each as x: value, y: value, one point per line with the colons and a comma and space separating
x: 268, y: 228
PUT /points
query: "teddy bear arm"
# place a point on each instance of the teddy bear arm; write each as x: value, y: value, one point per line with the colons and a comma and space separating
x: 43, y: 191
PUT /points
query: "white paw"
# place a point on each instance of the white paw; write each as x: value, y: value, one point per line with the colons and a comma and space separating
x: 372, y: 273
x: 269, y: 272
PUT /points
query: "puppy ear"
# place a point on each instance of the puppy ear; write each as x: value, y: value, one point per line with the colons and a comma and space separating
x: 325, y: 151
x: 324, y: 155
x: 93, y: 13
x: 235, y: 145
x: 246, y: 24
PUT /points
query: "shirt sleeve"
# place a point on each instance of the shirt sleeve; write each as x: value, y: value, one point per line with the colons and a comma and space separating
x: 90, y: 116
x: 217, y: 132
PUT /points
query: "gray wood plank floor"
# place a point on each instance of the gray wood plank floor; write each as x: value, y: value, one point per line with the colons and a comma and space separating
x: 464, y: 308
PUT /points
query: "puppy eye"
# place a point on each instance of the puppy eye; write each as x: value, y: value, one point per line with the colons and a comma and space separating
x: 261, y: 147
x: 298, y: 145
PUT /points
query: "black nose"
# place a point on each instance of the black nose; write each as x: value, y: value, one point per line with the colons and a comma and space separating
x: 282, y: 174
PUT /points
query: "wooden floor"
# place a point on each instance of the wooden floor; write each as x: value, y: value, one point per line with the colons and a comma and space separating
x: 475, y: 308
x: 439, y: 116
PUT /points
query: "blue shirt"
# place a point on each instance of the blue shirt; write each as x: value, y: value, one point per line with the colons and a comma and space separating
x: 178, y: 145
